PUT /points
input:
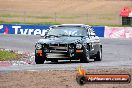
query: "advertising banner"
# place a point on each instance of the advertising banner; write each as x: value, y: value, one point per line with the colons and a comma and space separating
x: 23, y: 29
x: 99, y: 30
x: 118, y: 32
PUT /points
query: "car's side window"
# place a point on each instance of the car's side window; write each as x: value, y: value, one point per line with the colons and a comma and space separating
x: 88, y: 34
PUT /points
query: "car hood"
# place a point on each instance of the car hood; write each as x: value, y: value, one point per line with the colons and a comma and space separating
x: 61, y: 40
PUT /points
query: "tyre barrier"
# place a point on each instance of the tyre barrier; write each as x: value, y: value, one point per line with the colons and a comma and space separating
x: 101, y: 31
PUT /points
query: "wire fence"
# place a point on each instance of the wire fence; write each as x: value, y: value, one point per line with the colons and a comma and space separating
x: 38, y: 17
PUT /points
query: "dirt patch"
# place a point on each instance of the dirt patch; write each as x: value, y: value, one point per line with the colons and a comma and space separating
x: 56, y: 79
x: 79, y: 11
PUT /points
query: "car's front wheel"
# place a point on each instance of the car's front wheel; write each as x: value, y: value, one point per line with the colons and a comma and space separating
x: 85, y: 58
x: 39, y: 60
x: 98, y: 56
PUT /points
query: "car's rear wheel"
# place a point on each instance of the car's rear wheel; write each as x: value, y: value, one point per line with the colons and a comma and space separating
x: 85, y: 58
x: 39, y: 60
x: 98, y: 56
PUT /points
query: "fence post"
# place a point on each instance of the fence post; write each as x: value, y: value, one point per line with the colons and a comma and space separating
x: 87, y: 18
x: 55, y: 17
x: 24, y: 19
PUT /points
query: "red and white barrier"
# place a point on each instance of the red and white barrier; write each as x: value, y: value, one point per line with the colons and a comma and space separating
x: 118, y: 32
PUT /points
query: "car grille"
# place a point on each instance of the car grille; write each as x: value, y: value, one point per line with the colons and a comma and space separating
x: 57, y: 47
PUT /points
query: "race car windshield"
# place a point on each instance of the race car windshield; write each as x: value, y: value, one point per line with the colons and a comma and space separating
x: 67, y: 31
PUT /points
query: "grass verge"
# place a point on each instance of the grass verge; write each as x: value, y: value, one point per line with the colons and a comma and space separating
x: 57, y: 23
x: 6, y: 55
x: 33, y: 23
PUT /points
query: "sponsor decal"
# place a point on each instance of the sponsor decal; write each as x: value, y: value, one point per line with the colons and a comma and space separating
x: 6, y: 30
x: 3, y: 29
x: 19, y: 30
x: 23, y: 29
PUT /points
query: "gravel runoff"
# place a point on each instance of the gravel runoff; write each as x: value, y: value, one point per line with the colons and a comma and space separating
x: 57, y: 79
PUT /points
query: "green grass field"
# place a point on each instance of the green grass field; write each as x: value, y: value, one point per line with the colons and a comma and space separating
x: 5, y: 55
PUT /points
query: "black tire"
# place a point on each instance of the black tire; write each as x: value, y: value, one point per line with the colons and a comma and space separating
x: 85, y: 58
x: 98, y: 56
x: 39, y: 60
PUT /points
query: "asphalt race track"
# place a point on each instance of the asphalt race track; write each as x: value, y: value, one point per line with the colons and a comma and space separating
x: 117, y: 53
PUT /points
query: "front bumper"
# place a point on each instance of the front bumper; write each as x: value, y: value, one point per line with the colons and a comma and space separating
x: 60, y: 55
x: 59, y: 51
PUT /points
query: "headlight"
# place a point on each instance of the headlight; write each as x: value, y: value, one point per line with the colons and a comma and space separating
x: 78, y: 46
x: 38, y: 46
